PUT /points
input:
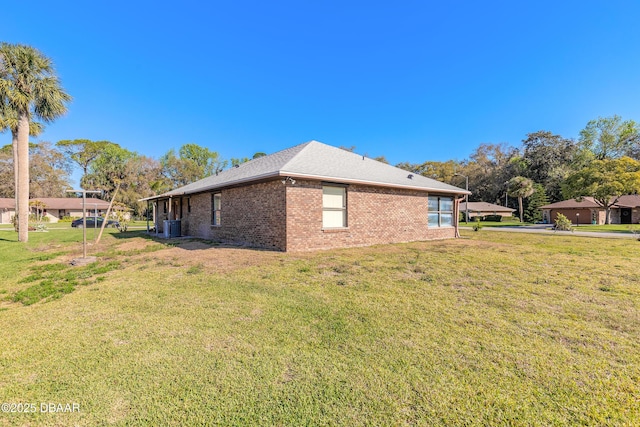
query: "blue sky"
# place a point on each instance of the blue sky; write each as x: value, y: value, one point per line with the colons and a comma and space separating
x: 410, y: 80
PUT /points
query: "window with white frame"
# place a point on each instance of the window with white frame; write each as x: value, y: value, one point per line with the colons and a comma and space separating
x: 440, y: 211
x: 334, y: 207
x: 215, y: 208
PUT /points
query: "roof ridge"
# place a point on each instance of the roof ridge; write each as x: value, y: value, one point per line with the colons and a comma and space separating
x: 303, y: 146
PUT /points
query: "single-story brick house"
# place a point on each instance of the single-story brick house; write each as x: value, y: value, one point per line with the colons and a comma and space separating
x: 484, y: 209
x: 311, y: 196
x: 55, y: 207
x: 588, y: 211
x: 7, y: 210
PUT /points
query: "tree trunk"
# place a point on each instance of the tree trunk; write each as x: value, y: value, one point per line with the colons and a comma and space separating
x: 607, y: 215
x: 106, y: 217
x: 23, y: 176
x: 14, y: 145
x: 520, y: 206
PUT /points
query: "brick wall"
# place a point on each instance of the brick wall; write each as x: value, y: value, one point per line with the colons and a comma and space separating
x: 253, y: 215
x: 375, y: 215
x: 586, y: 215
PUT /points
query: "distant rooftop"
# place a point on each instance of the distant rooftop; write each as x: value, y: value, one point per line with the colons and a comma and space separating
x: 484, y: 207
x: 626, y: 201
x: 67, y: 203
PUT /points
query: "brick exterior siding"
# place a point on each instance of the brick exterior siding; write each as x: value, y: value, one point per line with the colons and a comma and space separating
x: 252, y: 215
x: 289, y: 218
x: 375, y: 215
x: 588, y: 215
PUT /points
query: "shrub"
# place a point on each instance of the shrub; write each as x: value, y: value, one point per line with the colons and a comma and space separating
x: 66, y: 219
x: 123, y: 221
x: 563, y: 223
x: 494, y: 218
x: 476, y: 225
x: 38, y: 218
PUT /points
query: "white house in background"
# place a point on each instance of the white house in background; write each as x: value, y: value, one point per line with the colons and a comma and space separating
x: 55, y: 208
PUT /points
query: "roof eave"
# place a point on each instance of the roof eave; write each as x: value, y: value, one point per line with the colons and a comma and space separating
x: 298, y: 175
x: 374, y: 183
x: 213, y: 187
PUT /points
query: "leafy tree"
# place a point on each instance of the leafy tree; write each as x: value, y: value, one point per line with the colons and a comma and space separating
x: 610, y: 137
x: 29, y: 87
x: 605, y: 180
x: 521, y: 188
x: 238, y: 161
x: 48, y: 171
x: 548, y: 160
x: 179, y: 172
x: 109, y: 170
x: 38, y: 218
x: 191, y: 163
x: 134, y: 176
x: 442, y: 171
x: 351, y: 149
x: 207, y: 161
x: 142, y: 178
x: 381, y: 159
x: 489, y: 169
x: 82, y: 151
x: 539, y: 198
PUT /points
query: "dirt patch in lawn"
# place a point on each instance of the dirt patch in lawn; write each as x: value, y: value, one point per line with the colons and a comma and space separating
x: 223, y: 259
x: 135, y: 245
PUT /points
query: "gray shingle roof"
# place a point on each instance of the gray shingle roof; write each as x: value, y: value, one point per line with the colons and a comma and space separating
x: 316, y: 160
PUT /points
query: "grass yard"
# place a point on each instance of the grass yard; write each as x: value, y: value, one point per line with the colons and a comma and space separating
x: 610, y: 228
x: 491, y: 329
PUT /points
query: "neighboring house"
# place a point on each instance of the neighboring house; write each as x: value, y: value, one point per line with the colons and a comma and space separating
x: 484, y: 209
x: 7, y: 210
x: 56, y: 208
x: 311, y: 196
x: 588, y: 211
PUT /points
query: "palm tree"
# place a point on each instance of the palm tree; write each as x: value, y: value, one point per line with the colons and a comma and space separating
x: 9, y: 121
x: 520, y: 187
x: 29, y: 87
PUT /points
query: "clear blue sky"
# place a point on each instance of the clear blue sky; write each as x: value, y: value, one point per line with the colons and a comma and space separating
x: 410, y: 80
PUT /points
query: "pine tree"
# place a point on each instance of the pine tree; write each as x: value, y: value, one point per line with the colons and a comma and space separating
x: 537, y: 199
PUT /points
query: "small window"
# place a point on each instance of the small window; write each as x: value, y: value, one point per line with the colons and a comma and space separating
x: 334, y: 207
x: 189, y: 204
x: 164, y: 206
x: 440, y: 211
x: 215, y: 209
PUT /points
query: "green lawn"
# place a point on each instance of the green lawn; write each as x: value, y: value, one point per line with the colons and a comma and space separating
x: 611, y: 228
x: 506, y: 222
x: 491, y: 329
